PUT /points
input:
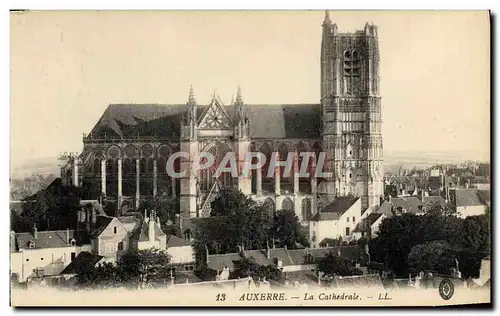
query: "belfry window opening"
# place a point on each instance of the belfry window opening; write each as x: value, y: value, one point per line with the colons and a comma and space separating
x: 352, y: 69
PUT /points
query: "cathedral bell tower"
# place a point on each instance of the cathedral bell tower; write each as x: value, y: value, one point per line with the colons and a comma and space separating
x: 350, y: 99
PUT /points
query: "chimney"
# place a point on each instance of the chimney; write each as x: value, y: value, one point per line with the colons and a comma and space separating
x: 206, y: 254
x: 94, y: 215
x: 12, y: 241
x: 268, y: 251
x: 151, y: 227
x: 35, y: 231
x: 67, y: 236
x: 146, y: 215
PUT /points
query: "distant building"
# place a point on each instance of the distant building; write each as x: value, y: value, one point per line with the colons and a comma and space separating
x: 433, y: 201
x: 287, y: 260
x: 48, y: 253
x: 407, y: 205
x: 468, y: 202
x: 336, y: 220
x: 44, y: 253
x: 181, y: 253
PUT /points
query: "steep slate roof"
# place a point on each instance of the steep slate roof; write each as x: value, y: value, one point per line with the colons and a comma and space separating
x: 432, y: 200
x: 334, y: 210
x: 102, y: 221
x: 484, y: 196
x: 466, y: 197
x: 220, y: 261
x: 373, y: 217
x: 411, y: 204
x: 330, y: 242
x: 288, y: 257
x: 385, y: 208
x: 83, y: 260
x: 259, y: 256
x: 267, y: 121
x: 51, y: 239
x: 174, y: 241
x: 129, y: 120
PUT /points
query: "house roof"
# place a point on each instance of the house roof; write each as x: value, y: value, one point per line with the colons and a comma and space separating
x: 385, y: 208
x: 433, y: 200
x: 327, y: 216
x: 221, y: 261
x: 373, y: 217
x: 83, y: 260
x: 102, y: 221
x: 330, y: 242
x: 466, y: 197
x: 359, y: 281
x: 259, y: 256
x: 334, y: 210
x: 484, y: 196
x: 141, y: 233
x: 156, y: 120
x: 411, y: 204
x: 287, y: 257
x: 51, y: 239
x: 174, y: 241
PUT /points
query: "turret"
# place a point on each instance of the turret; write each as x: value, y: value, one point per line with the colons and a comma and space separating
x: 151, y: 226
x: 242, y: 126
x: 189, y: 125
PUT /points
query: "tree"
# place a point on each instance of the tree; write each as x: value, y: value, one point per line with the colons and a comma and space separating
x: 145, y: 265
x: 331, y: 265
x: 286, y: 229
x: 247, y: 267
x: 468, y: 240
x: 435, y: 256
x: 473, y: 243
x: 396, y: 237
x: 105, y: 275
x: 205, y: 274
x: 236, y: 220
x: 53, y: 208
x: 231, y: 202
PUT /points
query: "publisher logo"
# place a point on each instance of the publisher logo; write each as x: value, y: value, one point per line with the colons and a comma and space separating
x: 446, y: 289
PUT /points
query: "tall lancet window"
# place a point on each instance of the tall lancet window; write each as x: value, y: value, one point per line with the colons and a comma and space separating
x: 208, y: 176
x: 352, y: 72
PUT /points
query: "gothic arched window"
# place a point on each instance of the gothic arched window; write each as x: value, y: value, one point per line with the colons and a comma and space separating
x: 352, y: 71
x: 269, y: 207
x: 287, y: 205
x: 207, y: 176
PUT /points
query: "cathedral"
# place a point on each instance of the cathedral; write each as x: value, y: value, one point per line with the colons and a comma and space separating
x: 125, y: 155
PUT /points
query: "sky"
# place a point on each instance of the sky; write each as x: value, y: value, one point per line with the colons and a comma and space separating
x: 66, y: 67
